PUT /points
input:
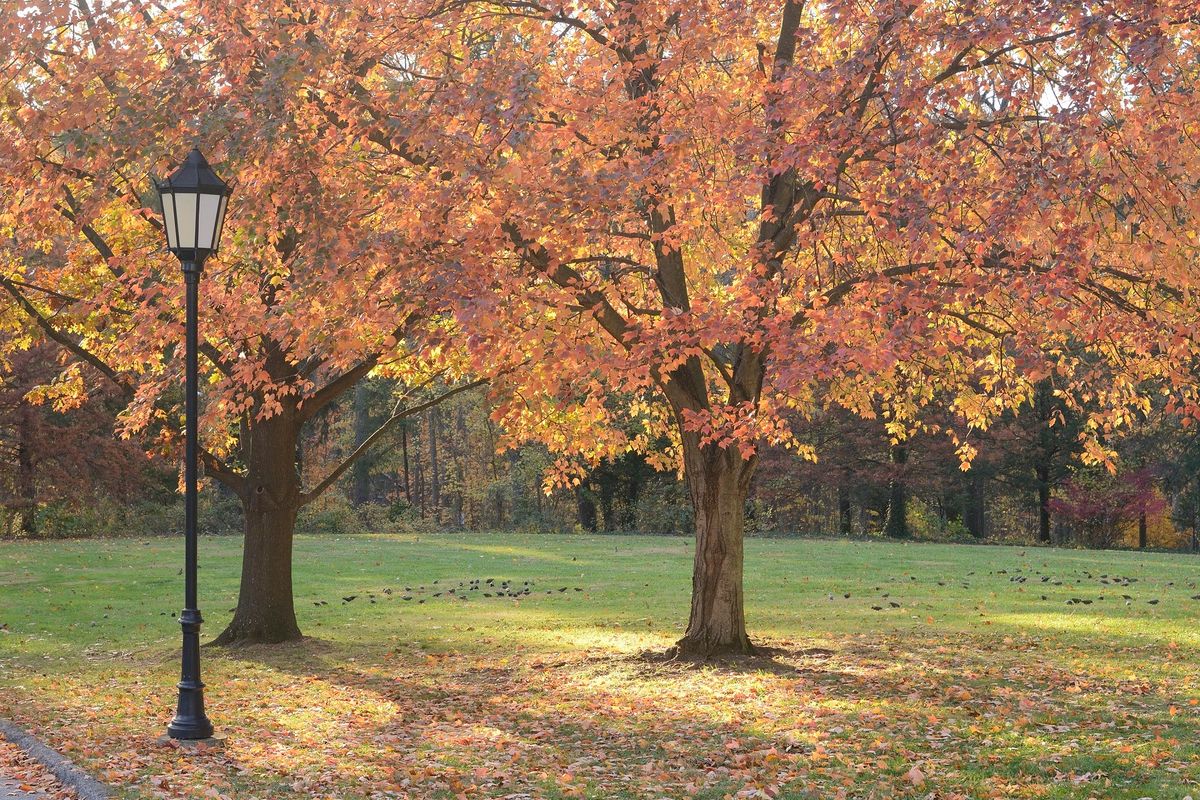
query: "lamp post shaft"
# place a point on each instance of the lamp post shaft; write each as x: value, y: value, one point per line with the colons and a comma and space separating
x: 190, y: 721
x: 191, y: 454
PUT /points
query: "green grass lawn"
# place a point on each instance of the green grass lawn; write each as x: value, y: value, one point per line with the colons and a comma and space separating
x: 984, y: 681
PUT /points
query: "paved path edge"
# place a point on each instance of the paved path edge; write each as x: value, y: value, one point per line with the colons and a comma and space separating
x: 87, y: 787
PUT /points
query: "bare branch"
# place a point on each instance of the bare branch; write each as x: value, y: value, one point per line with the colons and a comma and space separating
x: 64, y: 339
x: 537, y: 256
x: 342, y: 383
x: 388, y: 424
x: 223, y: 472
x: 958, y: 65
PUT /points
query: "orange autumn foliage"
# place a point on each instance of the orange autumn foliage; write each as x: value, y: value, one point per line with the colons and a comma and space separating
x: 656, y: 222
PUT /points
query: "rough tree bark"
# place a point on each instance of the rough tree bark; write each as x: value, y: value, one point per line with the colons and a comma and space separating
x: 896, y: 524
x: 1042, y: 472
x: 271, y: 499
x: 26, y: 472
x: 718, y: 481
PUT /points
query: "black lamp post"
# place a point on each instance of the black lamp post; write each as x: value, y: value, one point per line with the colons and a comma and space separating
x: 193, y: 201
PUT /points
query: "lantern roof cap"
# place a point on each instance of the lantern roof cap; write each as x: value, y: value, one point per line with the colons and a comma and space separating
x: 195, y: 175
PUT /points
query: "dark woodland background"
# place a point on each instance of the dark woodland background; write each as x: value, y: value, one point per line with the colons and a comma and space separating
x: 63, y: 472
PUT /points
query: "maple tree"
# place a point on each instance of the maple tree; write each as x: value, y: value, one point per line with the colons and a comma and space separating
x: 735, y: 212
x: 326, y: 272
x: 655, y: 222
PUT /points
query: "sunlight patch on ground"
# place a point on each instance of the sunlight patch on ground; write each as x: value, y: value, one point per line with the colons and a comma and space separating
x: 1163, y: 631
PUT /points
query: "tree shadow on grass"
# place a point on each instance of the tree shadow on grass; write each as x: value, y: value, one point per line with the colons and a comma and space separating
x: 611, y: 724
x: 553, y: 722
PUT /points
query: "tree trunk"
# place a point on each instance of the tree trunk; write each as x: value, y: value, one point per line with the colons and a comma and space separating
x: 633, y: 490
x: 407, y: 474
x: 1143, y: 538
x: 896, y: 523
x: 460, y: 468
x: 718, y: 482
x: 265, y: 610
x: 951, y: 507
x: 435, y: 479
x: 26, y: 472
x: 974, y: 513
x: 1043, y: 404
x: 586, y: 508
x: 845, y: 510
x: 1042, y: 473
x: 608, y: 475
x: 419, y: 470
x: 498, y: 495
x: 360, y: 488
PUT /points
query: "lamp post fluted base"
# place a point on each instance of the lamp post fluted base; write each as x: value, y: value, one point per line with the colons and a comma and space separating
x: 190, y: 728
x: 190, y: 721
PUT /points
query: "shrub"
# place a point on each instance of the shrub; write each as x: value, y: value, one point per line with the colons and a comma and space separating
x: 61, y: 520
x: 663, y: 507
x: 1100, y: 506
x: 331, y: 518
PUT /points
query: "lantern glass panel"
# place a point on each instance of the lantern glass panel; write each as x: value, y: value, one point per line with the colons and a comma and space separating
x: 210, y: 214
x: 185, y: 217
x: 168, y: 205
x: 220, y: 222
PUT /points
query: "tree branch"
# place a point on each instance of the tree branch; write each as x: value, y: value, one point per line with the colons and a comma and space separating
x: 223, y: 472
x: 342, y: 383
x: 956, y: 64
x: 63, y: 339
x: 561, y: 17
x: 70, y: 212
x: 537, y: 256
x: 331, y: 478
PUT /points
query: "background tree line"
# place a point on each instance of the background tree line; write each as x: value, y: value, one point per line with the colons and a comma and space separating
x: 64, y: 473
